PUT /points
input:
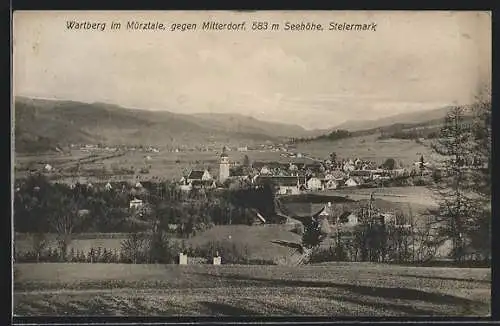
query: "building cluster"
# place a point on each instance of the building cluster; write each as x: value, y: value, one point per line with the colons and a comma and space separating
x: 299, y: 175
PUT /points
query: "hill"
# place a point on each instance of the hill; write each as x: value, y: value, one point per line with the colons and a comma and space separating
x: 413, y: 117
x: 41, y: 125
x: 255, y: 240
x: 246, y: 124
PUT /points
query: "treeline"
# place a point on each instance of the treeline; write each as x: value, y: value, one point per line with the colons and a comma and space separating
x: 332, y: 136
x: 44, y: 207
x: 412, y: 134
x: 142, y: 248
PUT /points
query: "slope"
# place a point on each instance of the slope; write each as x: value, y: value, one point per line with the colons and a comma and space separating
x: 256, y: 240
x: 246, y: 124
x: 44, y: 124
x: 409, y: 117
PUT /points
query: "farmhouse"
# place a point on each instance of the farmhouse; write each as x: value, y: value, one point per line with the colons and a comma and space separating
x: 199, y: 175
x: 352, y: 182
x: 284, y: 185
x: 331, y: 184
x: 313, y: 183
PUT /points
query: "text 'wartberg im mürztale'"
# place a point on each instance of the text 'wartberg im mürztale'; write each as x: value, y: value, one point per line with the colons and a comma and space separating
x: 209, y: 26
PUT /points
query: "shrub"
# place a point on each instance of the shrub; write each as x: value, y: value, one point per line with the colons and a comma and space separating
x: 332, y: 253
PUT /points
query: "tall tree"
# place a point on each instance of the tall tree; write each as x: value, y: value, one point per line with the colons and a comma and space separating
x: 455, y: 210
x: 246, y: 161
x: 65, y: 218
x: 481, y: 186
x: 313, y: 234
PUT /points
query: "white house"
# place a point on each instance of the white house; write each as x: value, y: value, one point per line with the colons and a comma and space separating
x: 186, y: 187
x: 135, y: 203
x: 314, y: 184
x: 351, y: 182
x: 199, y: 175
x: 108, y: 186
x: 331, y: 184
x: 48, y: 167
x: 288, y: 186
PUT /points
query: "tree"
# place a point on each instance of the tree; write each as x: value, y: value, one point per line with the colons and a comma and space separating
x: 132, y: 247
x: 453, y: 189
x: 64, y: 219
x: 39, y: 243
x: 481, y: 186
x: 333, y: 157
x: 421, y: 164
x: 313, y: 234
x: 246, y: 161
x: 389, y: 164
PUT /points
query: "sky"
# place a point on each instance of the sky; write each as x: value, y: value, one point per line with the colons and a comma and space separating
x: 316, y: 79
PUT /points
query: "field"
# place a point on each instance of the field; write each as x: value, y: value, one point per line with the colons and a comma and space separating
x: 370, y: 148
x: 413, y: 195
x: 334, y: 289
x: 166, y: 165
x: 173, y: 165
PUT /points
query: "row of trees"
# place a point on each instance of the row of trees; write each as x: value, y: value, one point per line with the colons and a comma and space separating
x: 332, y: 136
x: 43, y: 207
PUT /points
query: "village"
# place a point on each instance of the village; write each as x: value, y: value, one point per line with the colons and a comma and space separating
x: 297, y: 176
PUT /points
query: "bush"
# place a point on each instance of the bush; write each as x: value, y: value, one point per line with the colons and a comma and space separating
x: 332, y: 253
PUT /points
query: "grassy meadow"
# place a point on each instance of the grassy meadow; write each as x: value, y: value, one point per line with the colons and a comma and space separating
x: 334, y: 289
x: 172, y: 165
x: 370, y: 148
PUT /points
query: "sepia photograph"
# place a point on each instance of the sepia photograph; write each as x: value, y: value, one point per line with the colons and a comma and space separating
x: 251, y: 163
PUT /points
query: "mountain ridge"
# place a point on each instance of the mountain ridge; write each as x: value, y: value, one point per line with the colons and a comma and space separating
x: 44, y: 124
x: 404, y: 118
x: 51, y: 123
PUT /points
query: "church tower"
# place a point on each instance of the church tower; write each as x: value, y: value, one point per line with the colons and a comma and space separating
x: 223, y: 166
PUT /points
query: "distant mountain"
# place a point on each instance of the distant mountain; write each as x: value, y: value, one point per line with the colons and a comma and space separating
x: 403, y: 118
x: 42, y: 125
x: 245, y: 124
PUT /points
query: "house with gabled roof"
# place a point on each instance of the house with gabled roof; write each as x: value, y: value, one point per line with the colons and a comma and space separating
x: 336, y: 175
x: 314, y: 183
x: 353, y: 182
x: 199, y: 175
x: 331, y: 184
